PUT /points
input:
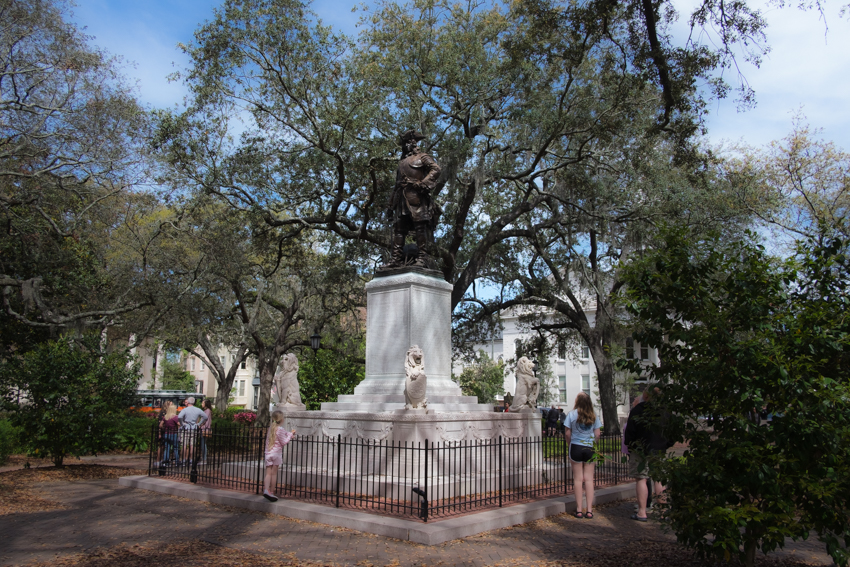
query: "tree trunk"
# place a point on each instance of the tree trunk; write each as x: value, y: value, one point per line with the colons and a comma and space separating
x: 605, y: 376
x: 222, y: 395
x: 750, y: 552
x: 266, y: 378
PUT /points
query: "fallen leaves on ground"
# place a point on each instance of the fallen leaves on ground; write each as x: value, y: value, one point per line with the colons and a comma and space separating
x: 19, y: 494
x: 182, y: 554
x: 202, y: 554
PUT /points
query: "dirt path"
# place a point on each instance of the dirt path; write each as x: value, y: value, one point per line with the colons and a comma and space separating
x: 81, y: 516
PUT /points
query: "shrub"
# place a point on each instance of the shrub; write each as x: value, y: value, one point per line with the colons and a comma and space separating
x: 74, y: 391
x: 134, y: 434
x: 230, y: 412
x: 9, y: 440
x: 245, y: 417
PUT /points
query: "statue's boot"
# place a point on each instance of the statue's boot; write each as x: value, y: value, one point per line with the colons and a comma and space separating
x: 396, y: 252
x: 423, y: 260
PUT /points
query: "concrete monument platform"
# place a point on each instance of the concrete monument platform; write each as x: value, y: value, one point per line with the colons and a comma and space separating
x: 434, y: 532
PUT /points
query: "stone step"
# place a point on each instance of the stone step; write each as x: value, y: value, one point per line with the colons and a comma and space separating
x: 380, y: 407
x: 399, y: 398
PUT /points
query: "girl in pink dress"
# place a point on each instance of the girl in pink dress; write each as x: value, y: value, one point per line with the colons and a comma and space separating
x: 277, y: 438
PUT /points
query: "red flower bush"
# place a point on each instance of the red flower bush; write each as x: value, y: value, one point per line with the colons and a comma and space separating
x: 245, y: 417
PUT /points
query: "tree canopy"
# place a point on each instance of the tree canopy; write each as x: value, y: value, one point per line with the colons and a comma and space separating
x: 741, y: 334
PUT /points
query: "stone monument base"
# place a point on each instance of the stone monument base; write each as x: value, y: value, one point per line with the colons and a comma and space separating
x: 287, y: 408
x: 411, y: 426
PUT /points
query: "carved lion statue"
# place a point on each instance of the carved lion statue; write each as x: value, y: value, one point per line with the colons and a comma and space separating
x: 527, y: 385
x: 286, y: 381
x: 414, y: 383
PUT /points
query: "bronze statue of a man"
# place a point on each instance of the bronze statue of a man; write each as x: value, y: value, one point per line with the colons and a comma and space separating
x: 411, y: 206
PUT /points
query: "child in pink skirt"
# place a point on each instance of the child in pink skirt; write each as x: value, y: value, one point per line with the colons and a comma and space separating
x: 277, y: 438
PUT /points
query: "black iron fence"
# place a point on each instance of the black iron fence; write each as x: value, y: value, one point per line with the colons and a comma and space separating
x: 425, y: 480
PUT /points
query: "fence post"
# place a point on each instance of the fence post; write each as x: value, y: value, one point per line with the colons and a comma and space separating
x: 425, y: 497
x: 500, y: 471
x: 566, y: 450
x: 153, y: 448
x: 195, y: 444
x: 338, y: 464
x: 261, y: 449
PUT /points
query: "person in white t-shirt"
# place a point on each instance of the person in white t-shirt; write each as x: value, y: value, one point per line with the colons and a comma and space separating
x: 582, y: 427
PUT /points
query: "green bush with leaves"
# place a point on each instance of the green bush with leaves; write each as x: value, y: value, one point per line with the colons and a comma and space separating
x: 68, y: 396
x: 134, y: 434
x: 485, y: 379
x: 739, y: 333
x: 9, y: 440
x: 175, y: 377
x: 327, y: 375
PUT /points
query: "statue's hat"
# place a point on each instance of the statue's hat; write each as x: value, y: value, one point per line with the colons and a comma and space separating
x: 410, y: 135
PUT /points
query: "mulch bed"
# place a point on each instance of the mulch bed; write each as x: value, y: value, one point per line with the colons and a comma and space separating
x: 18, y: 495
x: 200, y: 553
x: 183, y: 554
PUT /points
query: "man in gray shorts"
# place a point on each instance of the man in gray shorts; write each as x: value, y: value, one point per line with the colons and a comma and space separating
x: 645, y: 445
x: 190, y: 419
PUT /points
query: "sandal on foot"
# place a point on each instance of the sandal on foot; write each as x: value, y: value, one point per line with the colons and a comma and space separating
x: 579, y: 515
x: 588, y: 515
x: 638, y: 518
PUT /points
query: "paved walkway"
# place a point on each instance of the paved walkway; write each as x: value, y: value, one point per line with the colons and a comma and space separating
x: 100, y: 513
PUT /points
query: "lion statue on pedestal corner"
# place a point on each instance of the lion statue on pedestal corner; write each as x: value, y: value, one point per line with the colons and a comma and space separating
x: 415, y: 380
x: 527, y: 385
x: 286, y: 381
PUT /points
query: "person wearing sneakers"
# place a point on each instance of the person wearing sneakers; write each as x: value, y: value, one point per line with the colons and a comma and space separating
x: 277, y: 438
x: 582, y: 427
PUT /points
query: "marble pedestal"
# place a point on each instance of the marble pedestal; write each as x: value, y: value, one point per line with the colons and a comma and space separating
x: 406, y: 309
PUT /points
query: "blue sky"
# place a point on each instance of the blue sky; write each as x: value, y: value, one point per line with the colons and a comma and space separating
x: 807, y: 68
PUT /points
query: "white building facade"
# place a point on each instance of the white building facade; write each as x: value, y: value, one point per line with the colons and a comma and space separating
x: 571, y: 366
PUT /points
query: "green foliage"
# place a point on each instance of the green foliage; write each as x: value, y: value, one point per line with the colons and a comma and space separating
x: 133, y: 434
x: 10, y: 437
x: 73, y: 395
x: 174, y: 377
x: 740, y: 332
x: 72, y: 144
x: 327, y: 375
x: 228, y: 414
x: 485, y: 379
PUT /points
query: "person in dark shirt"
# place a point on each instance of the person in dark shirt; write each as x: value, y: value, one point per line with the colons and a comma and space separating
x: 645, y: 443
x: 552, y: 421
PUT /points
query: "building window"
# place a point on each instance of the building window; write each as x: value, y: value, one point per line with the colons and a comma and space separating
x: 192, y: 363
x: 644, y: 352
x: 630, y: 349
x: 223, y: 362
x: 199, y: 386
x: 562, y: 350
x: 585, y: 383
x: 243, y: 365
x: 585, y: 352
x: 202, y: 365
x: 562, y: 388
x: 241, y: 388
x: 256, y: 402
